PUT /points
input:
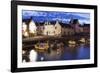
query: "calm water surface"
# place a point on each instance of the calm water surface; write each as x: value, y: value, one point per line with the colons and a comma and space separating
x: 70, y: 52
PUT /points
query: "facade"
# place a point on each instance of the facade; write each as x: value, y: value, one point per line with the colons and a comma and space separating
x: 52, y: 29
x: 86, y: 28
x: 40, y: 28
x: 31, y: 28
x: 49, y: 29
x: 76, y: 26
x: 24, y: 30
x: 67, y: 30
x: 57, y: 29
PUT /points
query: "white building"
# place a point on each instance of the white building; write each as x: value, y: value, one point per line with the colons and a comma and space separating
x: 57, y: 29
x: 32, y: 27
x: 24, y: 30
x: 49, y: 29
x: 52, y: 29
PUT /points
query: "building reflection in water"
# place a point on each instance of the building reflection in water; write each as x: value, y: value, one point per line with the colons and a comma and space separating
x: 60, y: 52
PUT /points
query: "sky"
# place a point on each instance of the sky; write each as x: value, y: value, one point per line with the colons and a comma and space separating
x: 64, y: 17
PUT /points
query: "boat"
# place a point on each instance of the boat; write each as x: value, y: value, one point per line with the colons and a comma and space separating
x: 41, y: 47
x: 82, y: 40
x: 71, y: 42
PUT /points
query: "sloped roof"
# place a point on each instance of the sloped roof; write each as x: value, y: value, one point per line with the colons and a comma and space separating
x: 86, y: 25
x: 74, y: 21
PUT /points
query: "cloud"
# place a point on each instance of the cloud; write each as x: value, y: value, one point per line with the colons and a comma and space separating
x: 84, y: 15
x: 84, y: 21
x: 61, y: 16
x: 33, y: 13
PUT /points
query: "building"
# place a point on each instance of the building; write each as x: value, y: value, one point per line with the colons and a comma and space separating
x: 78, y: 28
x: 86, y: 28
x: 81, y: 29
x: 52, y: 28
x: 32, y: 28
x: 58, y: 27
x: 40, y: 28
x: 66, y: 29
x: 24, y: 30
x: 49, y: 29
x: 25, y: 27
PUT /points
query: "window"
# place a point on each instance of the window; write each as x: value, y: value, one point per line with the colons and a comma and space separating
x: 55, y: 27
x: 47, y: 32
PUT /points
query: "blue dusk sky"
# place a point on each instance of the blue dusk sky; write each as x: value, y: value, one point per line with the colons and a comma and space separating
x: 64, y: 17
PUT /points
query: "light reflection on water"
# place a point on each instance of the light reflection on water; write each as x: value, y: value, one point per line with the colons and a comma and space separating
x: 71, y: 52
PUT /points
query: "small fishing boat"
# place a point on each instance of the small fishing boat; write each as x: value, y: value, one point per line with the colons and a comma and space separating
x: 71, y: 42
x: 41, y: 47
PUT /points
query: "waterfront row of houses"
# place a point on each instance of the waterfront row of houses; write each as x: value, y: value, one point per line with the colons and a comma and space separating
x: 53, y: 28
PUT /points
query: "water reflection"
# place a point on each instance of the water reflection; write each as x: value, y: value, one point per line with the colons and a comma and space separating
x: 70, y: 52
x: 63, y: 52
x: 83, y: 52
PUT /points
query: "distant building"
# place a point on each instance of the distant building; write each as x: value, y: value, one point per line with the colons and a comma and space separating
x: 24, y: 30
x: 86, y: 28
x: 54, y: 28
x: 75, y: 24
x: 67, y: 30
x: 81, y: 29
x: 32, y: 28
x: 49, y: 29
x: 57, y: 29
x: 40, y: 28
